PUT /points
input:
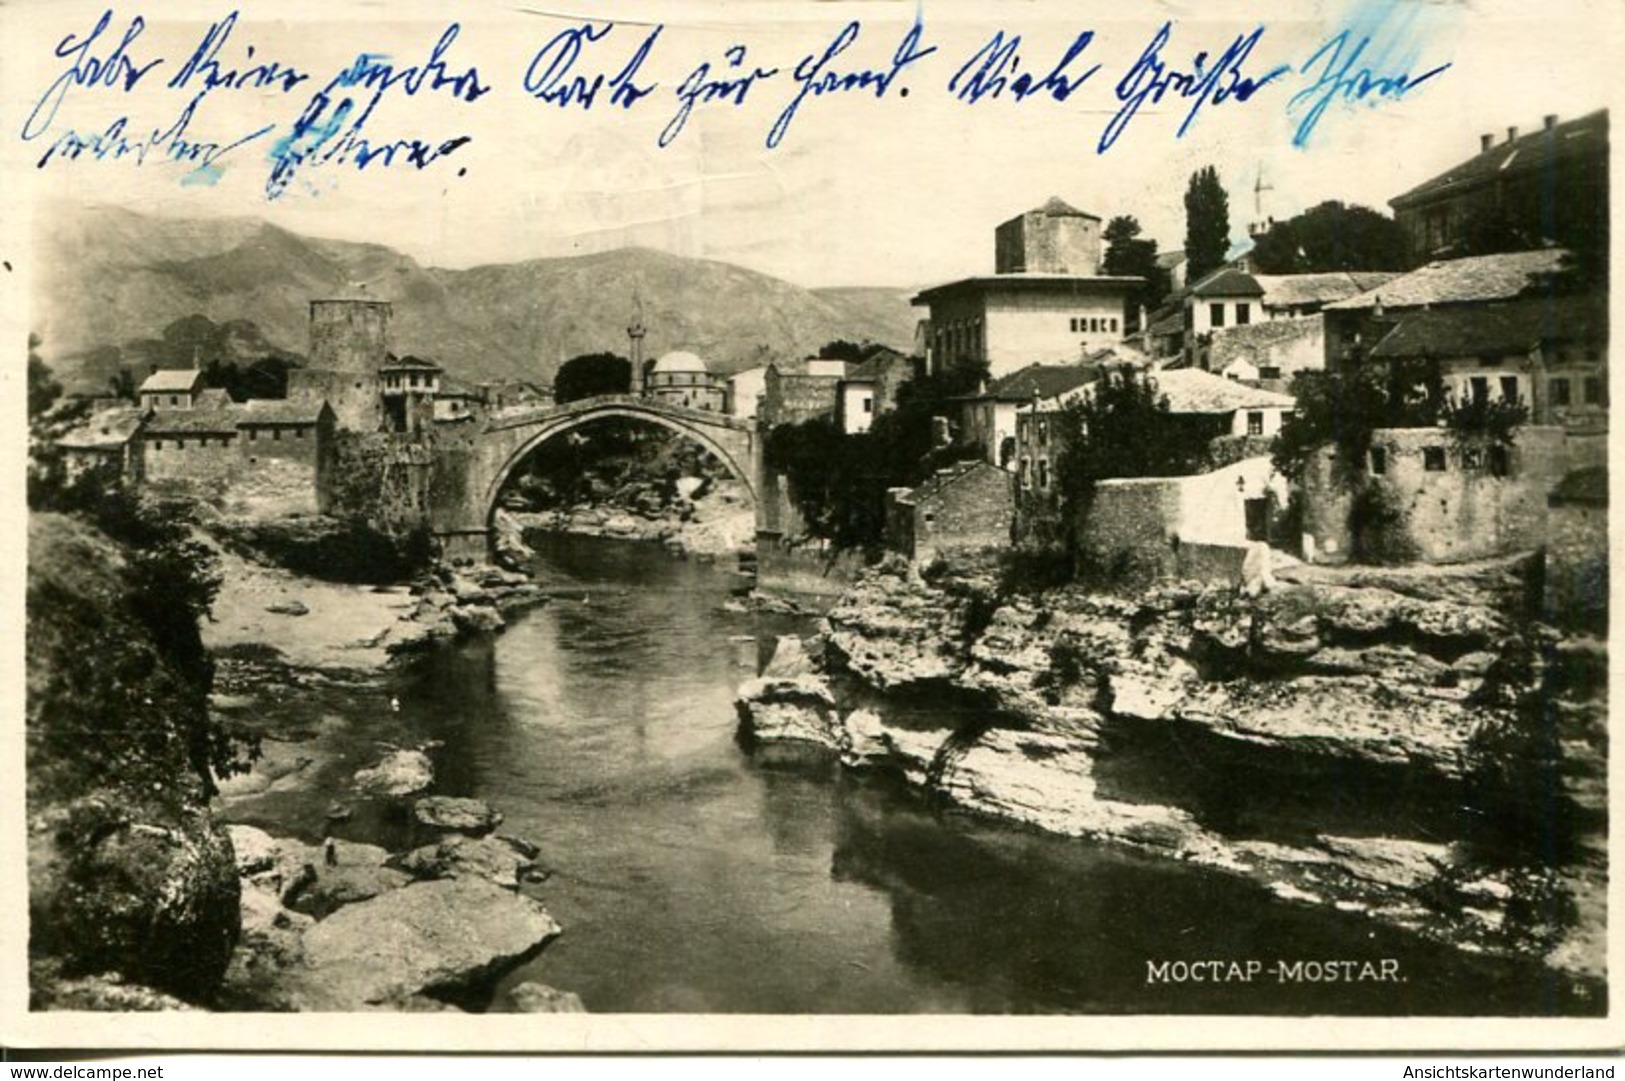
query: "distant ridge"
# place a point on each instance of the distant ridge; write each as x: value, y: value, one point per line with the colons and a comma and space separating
x: 108, y: 276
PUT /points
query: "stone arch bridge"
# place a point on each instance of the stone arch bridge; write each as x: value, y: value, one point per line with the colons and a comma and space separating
x: 472, y: 467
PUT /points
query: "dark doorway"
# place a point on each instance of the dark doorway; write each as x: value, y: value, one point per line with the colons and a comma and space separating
x: 1258, y: 518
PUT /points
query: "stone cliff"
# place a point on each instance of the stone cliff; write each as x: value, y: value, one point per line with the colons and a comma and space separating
x: 1373, y: 743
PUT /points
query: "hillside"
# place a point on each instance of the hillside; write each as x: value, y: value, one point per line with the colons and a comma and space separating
x: 109, y: 276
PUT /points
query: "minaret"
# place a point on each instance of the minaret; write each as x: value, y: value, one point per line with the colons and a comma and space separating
x: 634, y: 334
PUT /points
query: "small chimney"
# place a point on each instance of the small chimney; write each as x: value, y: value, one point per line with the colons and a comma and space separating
x: 1550, y: 121
x: 1485, y: 142
x: 1512, y: 135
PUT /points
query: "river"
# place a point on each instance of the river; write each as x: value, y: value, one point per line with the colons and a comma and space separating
x: 693, y: 876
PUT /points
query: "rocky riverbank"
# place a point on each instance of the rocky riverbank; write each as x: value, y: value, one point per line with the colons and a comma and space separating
x: 712, y: 521
x: 149, y: 890
x: 1375, y: 747
x: 302, y: 667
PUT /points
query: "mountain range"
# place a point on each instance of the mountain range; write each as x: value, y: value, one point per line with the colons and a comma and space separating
x: 109, y: 280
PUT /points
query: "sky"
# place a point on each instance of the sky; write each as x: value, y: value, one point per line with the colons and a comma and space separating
x: 861, y: 190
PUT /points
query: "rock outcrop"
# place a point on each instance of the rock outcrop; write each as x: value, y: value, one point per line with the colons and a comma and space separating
x: 1052, y: 711
x: 399, y: 775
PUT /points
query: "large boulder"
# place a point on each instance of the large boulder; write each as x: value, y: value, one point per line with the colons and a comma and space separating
x: 491, y: 858
x: 456, y: 814
x: 399, y: 775
x: 431, y: 937
x: 793, y: 709
x: 531, y: 997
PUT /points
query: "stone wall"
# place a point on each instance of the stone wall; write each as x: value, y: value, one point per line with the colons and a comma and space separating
x: 212, y: 459
x: 349, y: 336
x: 1040, y: 243
x: 968, y: 512
x: 355, y: 397
x: 300, y: 444
x: 791, y: 399
x: 380, y: 478
x: 1460, y: 512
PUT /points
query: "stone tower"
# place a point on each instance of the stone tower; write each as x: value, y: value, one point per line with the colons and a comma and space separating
x: 349, y: 342
x: 1053, y: 239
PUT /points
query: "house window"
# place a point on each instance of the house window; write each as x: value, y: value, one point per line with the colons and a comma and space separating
x: 1379, y: 460
x: 276, y: 433
x: 157, y: 444
x: 1269, y: 371
x: 1022, y: 473
x: 1255, y: 423
x: 1560, y: 391
x: 1593, y: 390
x: 174, y: 399
x: 1433, y: 459
x: 1043, y: 474
x: 1244, y: 314
x: 253, y: 435
x: 868, y: 404
x: 1215, y: 315
x: 1472, y: 458
x: 1114, y: 324
x: 1478, y: 389
x: 1043, y: 431
x: 1509, y: 388
x: 930, y: 517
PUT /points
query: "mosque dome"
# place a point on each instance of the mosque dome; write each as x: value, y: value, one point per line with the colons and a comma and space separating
x: 678, y: 361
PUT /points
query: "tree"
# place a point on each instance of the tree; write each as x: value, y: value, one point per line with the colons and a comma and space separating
x: 1333, y: 236
x: 841, y: 349
x: 1121, y: 429
x: 1207, y: 223
x: 43, y: 390
x: 1128, y: 254
x: 592, y: 374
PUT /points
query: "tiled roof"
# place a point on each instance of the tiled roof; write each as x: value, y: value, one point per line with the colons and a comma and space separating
x: 398, y: 363
x: 1171, y: 323
x: 268, y: 411
x: 107, y: 429
x: 1295, y: 290
x: 1509, y: 328
x: 1253, y: 341
x: 1191, y: 390
x: 1536, y: 151
x: 1461, y: 281
x: 172, y: 380
x: 1056, y: 207
x: 1228, y: 282
x: 211, y: 398
x: 1583, y: 486
x: 1043, y: 381
x: 191, y: 422
x: 946, y: 478
x: 875, y: 367
x: 1032, y: 282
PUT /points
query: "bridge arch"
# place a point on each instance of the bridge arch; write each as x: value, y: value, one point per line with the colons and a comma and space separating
x: 732, y: 440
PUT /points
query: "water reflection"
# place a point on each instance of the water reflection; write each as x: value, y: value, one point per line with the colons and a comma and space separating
x: 692, y: 876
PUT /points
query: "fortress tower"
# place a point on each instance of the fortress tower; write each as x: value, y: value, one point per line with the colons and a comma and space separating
x: 349, y: 343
